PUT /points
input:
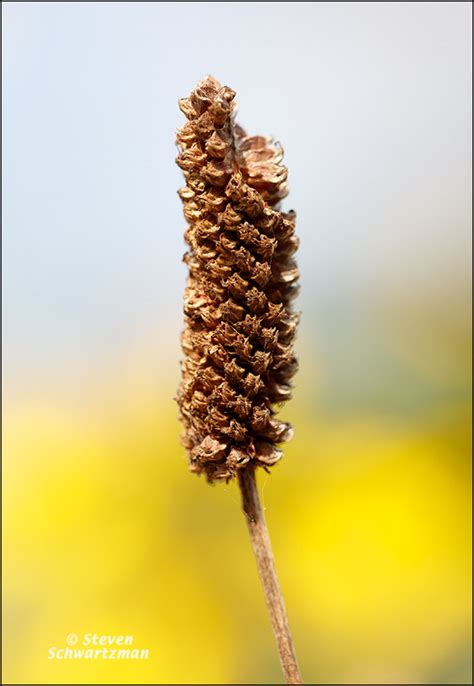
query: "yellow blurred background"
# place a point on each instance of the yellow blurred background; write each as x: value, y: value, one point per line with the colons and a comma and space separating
x: 106, y: 532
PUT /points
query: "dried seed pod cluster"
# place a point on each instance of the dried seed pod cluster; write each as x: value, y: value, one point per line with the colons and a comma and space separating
x: 239, y: 326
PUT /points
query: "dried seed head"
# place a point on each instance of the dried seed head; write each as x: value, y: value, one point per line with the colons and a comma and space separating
x: 239, y: 325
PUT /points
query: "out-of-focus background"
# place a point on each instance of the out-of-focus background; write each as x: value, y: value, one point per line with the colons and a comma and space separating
x: 105, y: 531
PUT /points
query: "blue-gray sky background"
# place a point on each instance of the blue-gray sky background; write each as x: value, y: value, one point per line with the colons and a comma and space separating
x: 371, y: 102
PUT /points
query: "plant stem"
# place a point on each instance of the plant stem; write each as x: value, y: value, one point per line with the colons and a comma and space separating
x: 268, y: 575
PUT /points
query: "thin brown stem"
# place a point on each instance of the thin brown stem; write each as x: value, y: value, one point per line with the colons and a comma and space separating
x: 268, y: 575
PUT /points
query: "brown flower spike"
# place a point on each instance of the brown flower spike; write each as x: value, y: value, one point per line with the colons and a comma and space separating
x: 240, y: 328
x: 239, y: 325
